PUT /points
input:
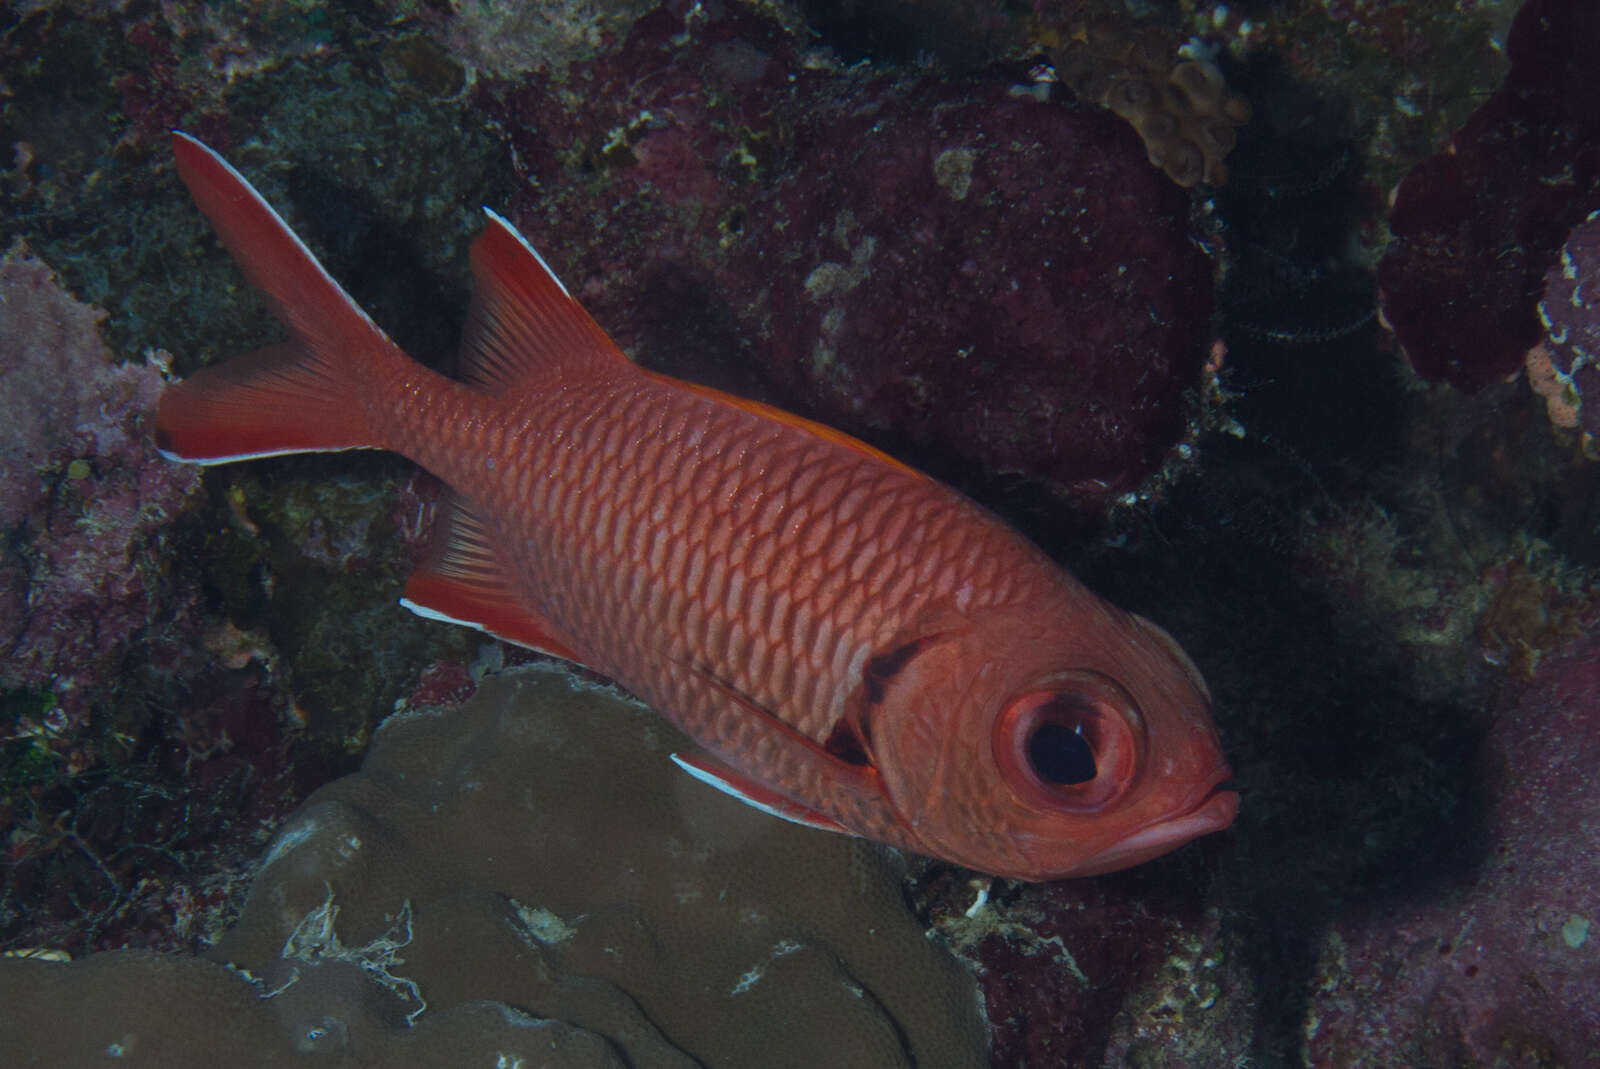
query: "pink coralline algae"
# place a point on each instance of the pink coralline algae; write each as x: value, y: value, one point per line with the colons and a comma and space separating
x: 1565, y: 367
x: 1504, y: 970
x: 82, y: 495
x: 1477, y: 226
x: 112, y: 795
x: 1096, y: 972
x: 956, y: 266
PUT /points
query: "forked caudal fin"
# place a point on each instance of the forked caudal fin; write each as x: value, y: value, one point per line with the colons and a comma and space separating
x: 303, y: 396
x: 311, y: 394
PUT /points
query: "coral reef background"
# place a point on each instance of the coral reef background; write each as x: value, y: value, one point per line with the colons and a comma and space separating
x: 942, y: 226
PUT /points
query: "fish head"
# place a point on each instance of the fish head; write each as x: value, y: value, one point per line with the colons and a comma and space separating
x: 1025, y: 743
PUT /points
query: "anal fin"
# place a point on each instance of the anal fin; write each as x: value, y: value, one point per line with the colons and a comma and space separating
x: 466, y: 583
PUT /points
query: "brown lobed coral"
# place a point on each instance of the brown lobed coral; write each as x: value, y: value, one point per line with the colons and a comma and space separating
x: 527, y: 876
x: 1183, y: 113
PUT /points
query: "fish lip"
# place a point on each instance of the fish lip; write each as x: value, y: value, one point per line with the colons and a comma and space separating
x: 1212, y: 810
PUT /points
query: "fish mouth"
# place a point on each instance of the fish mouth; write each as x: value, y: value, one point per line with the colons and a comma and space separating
x: 1212, y: 810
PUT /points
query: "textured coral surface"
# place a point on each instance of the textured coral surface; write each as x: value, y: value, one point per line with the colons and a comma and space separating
x: 895, y: 216
x: 476, y: 871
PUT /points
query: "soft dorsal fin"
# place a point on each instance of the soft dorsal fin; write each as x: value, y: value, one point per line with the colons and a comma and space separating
x: 466, y: 583
x: 523, y: 323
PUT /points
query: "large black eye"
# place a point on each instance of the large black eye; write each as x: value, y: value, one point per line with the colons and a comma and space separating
x: 1060, y: 754
x: 1074, y: 742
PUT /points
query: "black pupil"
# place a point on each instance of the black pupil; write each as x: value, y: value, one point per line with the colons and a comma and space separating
x: 1060, y: 755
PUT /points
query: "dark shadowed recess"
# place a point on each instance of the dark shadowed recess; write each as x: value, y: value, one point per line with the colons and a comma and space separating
x: 379, y: 263
x: 684, y: 328
x: 1297, y: 309
x: 959, y: 34
x: 1354, y: 790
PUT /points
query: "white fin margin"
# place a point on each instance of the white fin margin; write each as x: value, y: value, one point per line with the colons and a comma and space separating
x: 514, y: 232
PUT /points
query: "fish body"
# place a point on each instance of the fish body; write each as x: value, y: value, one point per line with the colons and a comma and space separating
x: 853, y: 645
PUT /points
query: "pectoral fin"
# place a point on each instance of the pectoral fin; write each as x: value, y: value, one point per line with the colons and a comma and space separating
x: 751, y: 793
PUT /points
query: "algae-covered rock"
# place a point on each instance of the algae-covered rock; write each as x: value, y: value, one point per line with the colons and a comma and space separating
x: 532, y: 856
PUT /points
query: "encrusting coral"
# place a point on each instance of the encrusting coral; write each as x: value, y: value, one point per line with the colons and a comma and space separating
x: 527, y: 858
x: 1183, y: 113
x: 1566, y: 364
x: 1476, y: 227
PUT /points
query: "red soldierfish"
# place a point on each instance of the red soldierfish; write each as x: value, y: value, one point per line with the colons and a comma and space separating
x: 853, y: 645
